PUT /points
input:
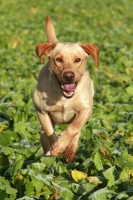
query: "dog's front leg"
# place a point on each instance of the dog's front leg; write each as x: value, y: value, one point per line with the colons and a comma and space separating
x: 47, y: 135
x: 73, y: 129
x: 69, y: 154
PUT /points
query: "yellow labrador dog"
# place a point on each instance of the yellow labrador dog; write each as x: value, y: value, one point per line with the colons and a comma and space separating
x: 64, y: 93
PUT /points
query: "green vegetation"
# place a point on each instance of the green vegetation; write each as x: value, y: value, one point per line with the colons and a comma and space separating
x: 104, y: 160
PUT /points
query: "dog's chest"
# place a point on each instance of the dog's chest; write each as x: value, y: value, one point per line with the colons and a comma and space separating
x: 61, y: 113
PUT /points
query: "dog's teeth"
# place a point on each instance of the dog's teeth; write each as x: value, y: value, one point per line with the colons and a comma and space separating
x: 68, y: 94
x: 62, y: 86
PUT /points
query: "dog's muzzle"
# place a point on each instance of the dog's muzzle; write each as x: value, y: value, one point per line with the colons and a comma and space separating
x: 69, y: 86
x: 68, y: 89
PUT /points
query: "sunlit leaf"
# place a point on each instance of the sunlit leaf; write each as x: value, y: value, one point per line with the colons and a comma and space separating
x: 93, y: 179
x: 19, y: 177
x: 78, y: 175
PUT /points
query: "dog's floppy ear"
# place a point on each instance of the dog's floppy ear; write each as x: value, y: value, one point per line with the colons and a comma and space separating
x: 43, y: 49
x: 92, y: 50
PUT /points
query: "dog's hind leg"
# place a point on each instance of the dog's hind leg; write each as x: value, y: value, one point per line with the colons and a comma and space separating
x: 45, y: 142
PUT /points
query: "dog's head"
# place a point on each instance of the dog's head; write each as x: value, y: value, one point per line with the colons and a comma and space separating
x: 67, y: 60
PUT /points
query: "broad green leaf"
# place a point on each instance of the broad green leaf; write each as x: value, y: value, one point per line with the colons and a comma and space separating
x: 67, y: 195
x: 98, y: 161
x: 38, y: 185
x: 45, y: 181
x: 2, y: 187
x: 86, y: 164
x: 18, y: 163
x: 39, y: 152
x: 3, y: 181
x: 107, y: 125
x: 7, y: 150
x: 62, y: 181
x: 26, y: 198
x: 130, y: 90
x: 6, y: 137
x: 25, y: 151
x: 77, y: 188
x: 24, y: 171
x: 109, y: 175
x: 63, y: 190
x: 37, y: 166
x: 124, y: 174
x: 89, y: 186
x: 47, y: 192
x: 102, y: 194
x: 20, y: 126
x: 130, y: 198
x: 29, y: 189
x: 122, y: 196
x: 2, y: 126
x: 3, y: 194
x: 10, y: 190
x: 49, y: 161
x: 5, y: 188
x: 125, y: 160
x: 61, y: 167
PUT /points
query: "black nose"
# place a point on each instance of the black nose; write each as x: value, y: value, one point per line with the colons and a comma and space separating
x: 69, y: 77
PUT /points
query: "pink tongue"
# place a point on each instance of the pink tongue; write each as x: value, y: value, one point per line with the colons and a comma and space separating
x: 69, y: 87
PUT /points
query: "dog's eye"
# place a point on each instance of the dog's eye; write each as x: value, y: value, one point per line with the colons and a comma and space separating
x: 59, y: 59
x: 77, y: 60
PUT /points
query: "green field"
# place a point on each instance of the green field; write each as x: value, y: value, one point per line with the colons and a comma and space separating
x: 103, y: 168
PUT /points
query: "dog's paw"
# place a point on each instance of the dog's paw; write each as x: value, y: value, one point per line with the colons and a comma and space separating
x: 48, y: 153
x: 60, y: 146
x: 56, y: 149
x: 69, y: 156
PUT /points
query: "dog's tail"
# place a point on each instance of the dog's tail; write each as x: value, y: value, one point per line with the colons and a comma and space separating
x: 50, y: 31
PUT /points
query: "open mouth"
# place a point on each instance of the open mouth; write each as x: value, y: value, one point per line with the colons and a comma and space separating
x: 68, y: 89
